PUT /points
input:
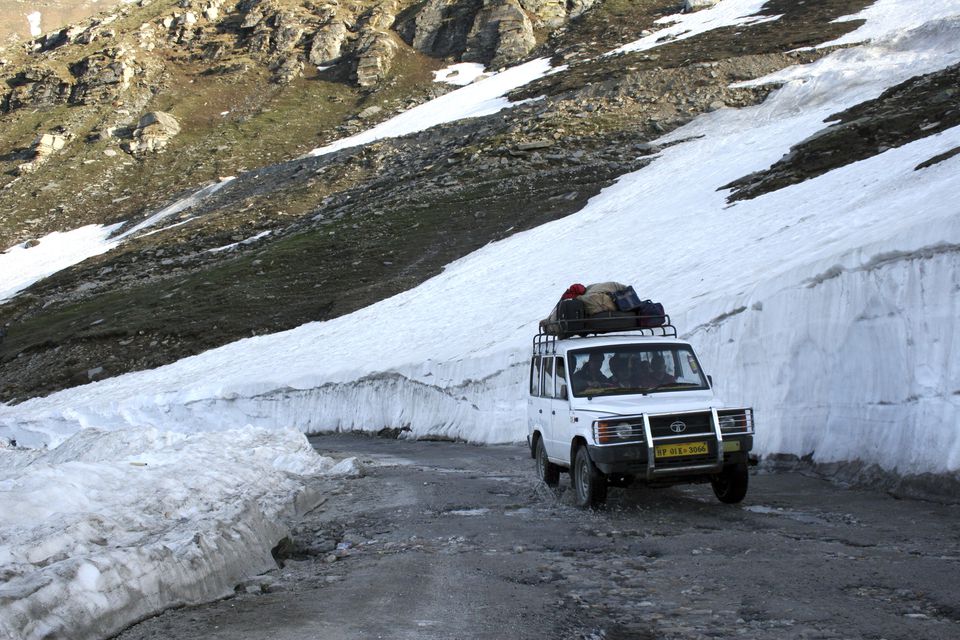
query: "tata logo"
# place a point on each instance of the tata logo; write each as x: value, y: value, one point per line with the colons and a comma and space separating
x: 678, y: 427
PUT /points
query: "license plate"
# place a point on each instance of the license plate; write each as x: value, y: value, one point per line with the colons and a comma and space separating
x: 731, y: 445
x: 685, y: 449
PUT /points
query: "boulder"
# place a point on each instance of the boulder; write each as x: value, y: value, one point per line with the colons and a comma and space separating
x: 153, y: 132
x: 288, y: 70
x: 44, y: 146
x: 696, y: 5
x: 328, y: 43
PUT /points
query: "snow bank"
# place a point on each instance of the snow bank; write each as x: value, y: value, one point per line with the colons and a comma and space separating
x: 111, y: 527
x: 793, y: 298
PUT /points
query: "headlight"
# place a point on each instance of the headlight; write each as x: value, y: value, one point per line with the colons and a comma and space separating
x: 728, y: 423
x: 607, y: 432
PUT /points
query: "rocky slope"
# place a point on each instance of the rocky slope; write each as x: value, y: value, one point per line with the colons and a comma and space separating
x: 111, y: 119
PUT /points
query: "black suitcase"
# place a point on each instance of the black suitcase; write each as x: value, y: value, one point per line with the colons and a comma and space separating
x: 651, y: 314
x: 570, y: 315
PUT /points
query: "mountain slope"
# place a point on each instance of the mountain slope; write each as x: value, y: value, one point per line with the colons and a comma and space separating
x: 353, y: 228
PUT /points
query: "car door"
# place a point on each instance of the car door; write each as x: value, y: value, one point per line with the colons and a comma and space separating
x: 560, y: 426
x: 538, y: 410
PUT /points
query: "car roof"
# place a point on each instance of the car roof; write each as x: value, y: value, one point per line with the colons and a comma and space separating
x: 572, y: 344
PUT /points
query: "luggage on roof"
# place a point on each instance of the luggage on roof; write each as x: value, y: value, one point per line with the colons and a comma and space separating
x: 603, y: 307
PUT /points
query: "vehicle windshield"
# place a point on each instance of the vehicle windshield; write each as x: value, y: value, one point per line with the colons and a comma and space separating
x: 635, y: 368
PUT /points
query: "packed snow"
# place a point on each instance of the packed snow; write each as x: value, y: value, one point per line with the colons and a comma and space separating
x: 112, y: 527
x: 830, y: 306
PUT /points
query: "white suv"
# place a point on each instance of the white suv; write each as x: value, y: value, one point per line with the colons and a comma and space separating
x: 618, y: 408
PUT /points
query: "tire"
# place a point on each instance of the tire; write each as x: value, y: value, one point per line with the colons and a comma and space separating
x: 589, y: 483
x: 546, y: 470
x: 730, y: 485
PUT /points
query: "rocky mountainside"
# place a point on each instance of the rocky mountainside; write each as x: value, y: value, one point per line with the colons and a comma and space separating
x: 111, y: 119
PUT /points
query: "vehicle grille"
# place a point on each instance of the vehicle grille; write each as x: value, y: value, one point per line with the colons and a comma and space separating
x: 693, y: 424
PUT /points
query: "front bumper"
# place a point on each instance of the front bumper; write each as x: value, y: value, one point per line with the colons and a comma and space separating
x: 632, y: 459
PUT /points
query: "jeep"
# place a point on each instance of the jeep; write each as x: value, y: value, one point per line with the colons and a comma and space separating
x: 614, y: 409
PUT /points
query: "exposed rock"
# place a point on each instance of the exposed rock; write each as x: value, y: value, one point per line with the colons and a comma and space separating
x: 42, y: 148
x: 501, y: 35
x: 369, y: 112
x: 439, y: 27
x: 328, y: 43
x: 551, y: 13
x: 696, y: 5
x: 152, y: 134
x: 102, y: 77
x: 39, y: 87
x: 374, y: 59
x: 288, y: 70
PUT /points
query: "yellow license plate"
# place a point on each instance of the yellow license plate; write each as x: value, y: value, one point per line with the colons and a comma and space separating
x: 731, y: 445
x: 685, y: 449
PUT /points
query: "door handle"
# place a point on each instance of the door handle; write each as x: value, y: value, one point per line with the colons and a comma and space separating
x: 540, y: 410
x: 553, y: 412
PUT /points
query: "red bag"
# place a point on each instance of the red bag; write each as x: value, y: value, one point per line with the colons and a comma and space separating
x: 573, y: 291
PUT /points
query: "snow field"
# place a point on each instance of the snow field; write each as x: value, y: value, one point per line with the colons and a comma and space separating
x: 111, y: 527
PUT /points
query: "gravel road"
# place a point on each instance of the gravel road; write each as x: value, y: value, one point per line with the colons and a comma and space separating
x: 442, y: 540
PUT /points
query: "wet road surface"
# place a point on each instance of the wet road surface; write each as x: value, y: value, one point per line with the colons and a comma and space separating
x: 446, y: 540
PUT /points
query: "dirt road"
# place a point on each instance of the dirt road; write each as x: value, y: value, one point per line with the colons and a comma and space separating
x: 442, y: 540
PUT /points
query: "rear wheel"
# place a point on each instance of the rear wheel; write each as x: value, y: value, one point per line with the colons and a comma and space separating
x: 730, y: 485
x: 589, y: 483
x: 546, y: 470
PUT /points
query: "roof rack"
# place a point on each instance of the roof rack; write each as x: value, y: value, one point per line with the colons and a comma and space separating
x: 545, y: 342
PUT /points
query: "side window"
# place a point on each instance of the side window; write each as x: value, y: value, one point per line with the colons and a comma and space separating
x: 561, y: 377
x: 535, y: 376
x: 547, y: 387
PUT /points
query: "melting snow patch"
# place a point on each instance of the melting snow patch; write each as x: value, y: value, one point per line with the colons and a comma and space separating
x: 726, y: 13
x: 249, y: 240
x: 480, y: 98
x: 460, y: 74
x: 23, y: 265
x: 33, y: 19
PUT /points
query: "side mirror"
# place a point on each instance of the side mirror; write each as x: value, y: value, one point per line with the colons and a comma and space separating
x: 563, y: 392
x: 710, y: 381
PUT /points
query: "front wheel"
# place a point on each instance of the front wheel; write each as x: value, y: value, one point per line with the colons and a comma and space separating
x: 589, y: 483
x: 730, y: 485
x: 546, y: 470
